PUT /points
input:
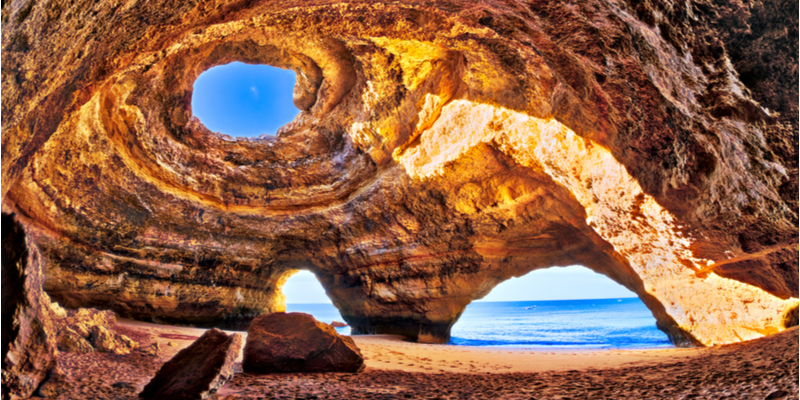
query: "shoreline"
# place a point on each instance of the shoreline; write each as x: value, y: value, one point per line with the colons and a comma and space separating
x: 395, y: 353
x: 399, y: 369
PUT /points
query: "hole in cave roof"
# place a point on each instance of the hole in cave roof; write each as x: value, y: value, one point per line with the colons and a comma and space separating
x: 243, y: 100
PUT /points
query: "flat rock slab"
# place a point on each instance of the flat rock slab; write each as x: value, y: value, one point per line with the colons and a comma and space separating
x: 198, y: 370
x: 296, y: 342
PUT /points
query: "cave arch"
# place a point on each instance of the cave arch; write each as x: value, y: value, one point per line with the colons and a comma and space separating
x: 562, y: 307
x: 303, y: 287
x: 304, y: 293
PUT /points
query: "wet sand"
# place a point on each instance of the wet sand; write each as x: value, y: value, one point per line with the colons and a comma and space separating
x: 764, y: 368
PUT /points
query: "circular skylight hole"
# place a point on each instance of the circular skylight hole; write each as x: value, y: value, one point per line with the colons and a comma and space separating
x: 243, y: 100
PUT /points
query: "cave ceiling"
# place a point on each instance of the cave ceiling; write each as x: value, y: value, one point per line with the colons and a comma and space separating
x: 441, y: 149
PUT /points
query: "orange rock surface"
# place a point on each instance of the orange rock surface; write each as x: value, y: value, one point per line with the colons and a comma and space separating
x: 296, y: 342
x: 442, y: 149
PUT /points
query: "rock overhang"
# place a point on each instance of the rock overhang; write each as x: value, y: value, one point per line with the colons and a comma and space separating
x: 439, y: 152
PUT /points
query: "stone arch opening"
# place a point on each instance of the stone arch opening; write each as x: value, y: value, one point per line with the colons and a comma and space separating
x: 303, y: 292
x: 569, y: 306
x: 244, y: 100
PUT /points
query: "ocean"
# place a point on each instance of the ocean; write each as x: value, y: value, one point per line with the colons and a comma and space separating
x: 586, y: 324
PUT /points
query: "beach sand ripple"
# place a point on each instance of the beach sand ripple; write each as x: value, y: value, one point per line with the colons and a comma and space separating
x: 764, y: 368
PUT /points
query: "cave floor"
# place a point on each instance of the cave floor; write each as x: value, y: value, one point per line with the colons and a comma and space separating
x: 764, y: 368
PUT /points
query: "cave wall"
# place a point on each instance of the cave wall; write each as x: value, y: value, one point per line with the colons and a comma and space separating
x: 442, y: 148
x: 28, y: 327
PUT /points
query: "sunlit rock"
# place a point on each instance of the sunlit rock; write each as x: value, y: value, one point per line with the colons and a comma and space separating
x: 108, y: 342
x: 442, y: 149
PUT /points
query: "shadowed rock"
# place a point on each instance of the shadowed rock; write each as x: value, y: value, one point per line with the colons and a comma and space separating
x: 198, y: 370
x: 443, y: 148
x: 70, y: 340
x: 296, y: 342
x: 789, y: 317
x: 29, y: 332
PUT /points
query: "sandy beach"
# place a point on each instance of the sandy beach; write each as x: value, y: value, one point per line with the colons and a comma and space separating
x: 765, y: 368
x: 393, y: 353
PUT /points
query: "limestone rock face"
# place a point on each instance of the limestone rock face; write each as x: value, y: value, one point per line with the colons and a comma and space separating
x: 85, y: 330
x: 108, y: 342
x: 86, y: 318
x: 70, y: 340
x: 198, y: 370
x: 442, y: 148
x: 29, y: 340
x: 790, y: 317
x: 296, y: 342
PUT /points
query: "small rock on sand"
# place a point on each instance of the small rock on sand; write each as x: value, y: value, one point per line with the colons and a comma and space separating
x: 107, y: 342
x: 69, y: 340
x: 153, y: 349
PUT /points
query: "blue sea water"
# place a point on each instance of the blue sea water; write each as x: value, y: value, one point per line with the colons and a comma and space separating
x: 604, y: 323
x: 589, y: 324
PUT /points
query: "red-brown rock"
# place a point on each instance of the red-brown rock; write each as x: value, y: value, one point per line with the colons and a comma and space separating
x: 338, y: 324
x: 29, y: 331
x: 296, y: 342
x: 109, y: 342
x: 70, y: 340
x: 198, y: 370
x: 443, y: 148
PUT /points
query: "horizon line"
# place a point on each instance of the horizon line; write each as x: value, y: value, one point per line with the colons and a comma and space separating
x: 517, y: 301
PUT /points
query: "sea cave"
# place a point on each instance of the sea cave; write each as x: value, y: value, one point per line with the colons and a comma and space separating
x: 433, y: 151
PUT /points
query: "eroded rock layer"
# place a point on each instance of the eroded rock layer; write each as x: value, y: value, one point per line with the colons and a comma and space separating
x: 29, y: 329
x: 442, y: 148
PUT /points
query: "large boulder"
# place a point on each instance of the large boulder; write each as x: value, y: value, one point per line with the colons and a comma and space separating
x: 198, y: 370
x: 296, y: 342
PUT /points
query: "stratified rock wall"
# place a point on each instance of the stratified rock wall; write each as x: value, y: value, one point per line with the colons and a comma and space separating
x: 442, y: 149
x: 29, y: 348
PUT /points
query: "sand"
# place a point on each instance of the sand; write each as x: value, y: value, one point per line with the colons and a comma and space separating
x: 393, y: 353
x: 385, y: 352
x: 399, y: 369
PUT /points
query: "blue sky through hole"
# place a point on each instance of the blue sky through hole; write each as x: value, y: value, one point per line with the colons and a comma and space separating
x: 243, y: 100
x: 567, y: 283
